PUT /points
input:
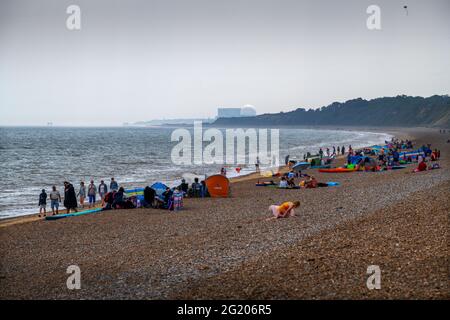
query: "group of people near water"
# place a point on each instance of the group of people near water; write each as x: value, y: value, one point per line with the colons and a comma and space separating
x: 70, y: 196
x: 114, y: 197
x: 333, y: 152
x: 172, y: 198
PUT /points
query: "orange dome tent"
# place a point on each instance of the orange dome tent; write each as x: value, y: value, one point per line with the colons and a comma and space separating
x: 218, y: 186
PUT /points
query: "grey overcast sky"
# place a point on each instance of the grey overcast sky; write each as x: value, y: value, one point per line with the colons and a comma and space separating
x: 141, y: 60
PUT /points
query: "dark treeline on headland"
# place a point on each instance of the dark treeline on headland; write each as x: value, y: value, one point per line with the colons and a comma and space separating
x: 400, y: 111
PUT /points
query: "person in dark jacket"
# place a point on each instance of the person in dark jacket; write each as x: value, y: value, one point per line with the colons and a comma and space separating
x: 167, y: 195
x: 196, y: 188
x: 118, y: 198
x: 42, y: 203
x: 113, y: 186
x: 184, y: 187
x: 149, y: 196
x: 70, y: 198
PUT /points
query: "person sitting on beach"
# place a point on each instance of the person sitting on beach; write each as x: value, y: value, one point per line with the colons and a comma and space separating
x: 284, y: 210
x: 42, y: 203
x: 290, y: 182
x: 55, y: 199
x: 70, y: 198
x: 311, y: 182
x: 421, y: 167
x: 283, y: 183
x: 109, y: 200
x: 119, y: 202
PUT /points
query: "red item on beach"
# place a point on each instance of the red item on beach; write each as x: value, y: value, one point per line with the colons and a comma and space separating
x: 422, y: 166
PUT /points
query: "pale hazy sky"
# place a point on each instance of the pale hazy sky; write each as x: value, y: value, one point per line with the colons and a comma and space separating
x: 141, y: 60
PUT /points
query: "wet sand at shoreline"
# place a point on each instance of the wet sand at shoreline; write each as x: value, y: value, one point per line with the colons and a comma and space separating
x: 223, y: 248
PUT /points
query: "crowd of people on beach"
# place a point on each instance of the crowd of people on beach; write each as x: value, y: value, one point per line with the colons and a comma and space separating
x: 70, y: 196
x: 374, y: 158
x: 114, y: 197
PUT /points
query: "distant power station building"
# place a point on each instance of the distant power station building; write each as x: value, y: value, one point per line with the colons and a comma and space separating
x: 245, y: 111
x: 228, y: 112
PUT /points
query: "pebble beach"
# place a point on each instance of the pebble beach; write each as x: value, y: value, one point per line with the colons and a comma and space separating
x: 224, y: 249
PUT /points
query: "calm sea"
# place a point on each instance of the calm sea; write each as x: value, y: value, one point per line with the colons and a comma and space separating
x: 33, y: 158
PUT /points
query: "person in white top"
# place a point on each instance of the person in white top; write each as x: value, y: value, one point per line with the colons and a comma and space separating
x: 55, y: 199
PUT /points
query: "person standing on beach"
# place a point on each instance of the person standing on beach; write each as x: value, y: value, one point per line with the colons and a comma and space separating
x: 320, y: 153
x: 70, y: 198
x: 177, y: 200
x: 42, y: 203
x: 184, y: 187
x: 55, y: 199
x: 257, y: 165
x: 102, y: 191
x: 196, y: 188
x: 149, y: 197
x: 113, y: 186
x: 92, y: 192
x: 343, y: 150
x: 338, y: 150
x: 204, y: 189
x: 82, y: 194
x: 334, y: 151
